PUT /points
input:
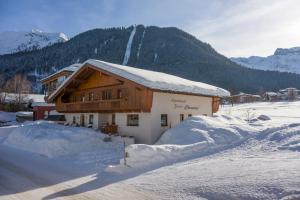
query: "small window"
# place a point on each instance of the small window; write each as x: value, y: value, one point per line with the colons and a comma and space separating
x: 74, y: 120
x: 190, y: 115
x: 106, y: 94
x: 91, y: 96
x: 181, y: 117
x: 119, y: 94
x: 133, y: 120
x: 91, y: 119
x: 164, y: 120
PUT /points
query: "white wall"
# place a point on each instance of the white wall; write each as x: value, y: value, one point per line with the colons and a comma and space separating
x: 173, y: 105
x: 141, y: 133
x: 150, y: 129
x: 69, y: 118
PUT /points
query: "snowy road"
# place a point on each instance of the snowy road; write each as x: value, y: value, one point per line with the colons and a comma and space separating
x: 26, y: 177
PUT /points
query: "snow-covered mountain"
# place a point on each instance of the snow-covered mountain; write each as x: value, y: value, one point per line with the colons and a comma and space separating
x: 284, y: 60
x: 13, y: 41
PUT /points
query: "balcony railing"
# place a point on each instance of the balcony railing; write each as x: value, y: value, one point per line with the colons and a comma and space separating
x: 92, y: 106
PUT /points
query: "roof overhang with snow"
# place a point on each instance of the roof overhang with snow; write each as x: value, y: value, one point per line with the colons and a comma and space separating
x: 156, y: 81
x: 71, y: 68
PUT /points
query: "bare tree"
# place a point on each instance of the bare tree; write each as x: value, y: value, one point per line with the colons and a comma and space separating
x: 19, y: 86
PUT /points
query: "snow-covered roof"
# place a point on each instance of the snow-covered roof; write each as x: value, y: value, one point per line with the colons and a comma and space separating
x: 287, y: 89
x: 71, y: 68
x: 245, y: 94
x: 10, y: 97
x: 271, y: 93
x: 153, y: 80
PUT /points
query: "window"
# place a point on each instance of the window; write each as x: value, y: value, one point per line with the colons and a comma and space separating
x: 133, y: 120
x: 106, y: 94
x: 91, y: 96
x: 190, y: 115
x: 91, y: 119
x: 164, y: 120
x: 119, y: 94
x: 181, y: 117
x: 74, y: 120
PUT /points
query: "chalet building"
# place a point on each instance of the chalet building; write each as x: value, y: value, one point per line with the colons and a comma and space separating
x: 53, y: 81
x: 245, y: 98
x: 271, y: 96
x: 289, y: 93
x: 130, y: 101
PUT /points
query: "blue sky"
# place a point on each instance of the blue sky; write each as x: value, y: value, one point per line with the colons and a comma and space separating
x: 232, y: 27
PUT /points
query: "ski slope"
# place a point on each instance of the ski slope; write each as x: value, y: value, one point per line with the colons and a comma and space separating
x: 128, y: 47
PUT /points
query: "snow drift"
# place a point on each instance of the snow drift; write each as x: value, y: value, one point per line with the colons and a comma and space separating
x: 193, y: 137
x: 54, y: 140
x: 200, y: 135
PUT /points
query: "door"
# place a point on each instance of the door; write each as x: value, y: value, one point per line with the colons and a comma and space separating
x: 181, y: 117
x: 113, y: 119
x: 82, y: 120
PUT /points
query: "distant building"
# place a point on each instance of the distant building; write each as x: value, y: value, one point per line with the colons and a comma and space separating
x: 52, y: 82
x: 289, y: 93
x: 271, y: 96
x: 245, y: 98
x: 41, y: 110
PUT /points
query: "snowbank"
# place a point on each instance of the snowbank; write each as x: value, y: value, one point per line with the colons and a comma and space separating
x: 288, y: 137
x: 214, y: 130
x: 52, y: 140
x: 7, y: 116
x: 193, y: 137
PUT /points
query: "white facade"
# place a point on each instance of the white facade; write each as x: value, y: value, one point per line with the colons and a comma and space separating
x: 149, y: 128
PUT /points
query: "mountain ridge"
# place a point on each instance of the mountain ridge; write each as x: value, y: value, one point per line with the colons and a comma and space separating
x: 168, y: 49
x: 283, y: 60
x: 16, y: 41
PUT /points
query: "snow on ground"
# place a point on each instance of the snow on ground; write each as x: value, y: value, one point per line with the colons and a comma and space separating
x: 53, y: 140
x: 237, y: 154
x: 7, y: 116
x: 260, y: 158
x: 192, y: 138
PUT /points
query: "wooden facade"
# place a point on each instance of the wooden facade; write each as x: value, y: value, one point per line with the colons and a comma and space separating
x: 215, y: 104
x: 93, y: 90
x: 51, y: 83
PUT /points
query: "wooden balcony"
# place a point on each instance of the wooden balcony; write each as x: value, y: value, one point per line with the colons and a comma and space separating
x: 113, y: 105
